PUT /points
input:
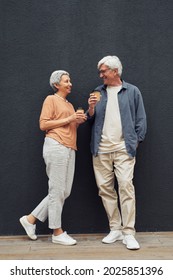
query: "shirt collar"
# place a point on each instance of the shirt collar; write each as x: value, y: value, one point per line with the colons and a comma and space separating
x: 124, y: 85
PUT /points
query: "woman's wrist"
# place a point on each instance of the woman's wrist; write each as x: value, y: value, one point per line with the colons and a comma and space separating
x: 68, y: 120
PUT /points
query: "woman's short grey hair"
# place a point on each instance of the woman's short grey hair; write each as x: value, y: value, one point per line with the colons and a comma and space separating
x: 112, y: 62
x: 55, y: 77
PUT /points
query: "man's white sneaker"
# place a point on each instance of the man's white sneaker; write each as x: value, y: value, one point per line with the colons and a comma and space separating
x: 28, y: 227
x: 130, y: 242
x: 113, y: 236
x: 63, y: 239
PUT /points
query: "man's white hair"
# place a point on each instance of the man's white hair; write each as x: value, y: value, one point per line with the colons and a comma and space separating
x: 55, y: 77
x: 112, y: 62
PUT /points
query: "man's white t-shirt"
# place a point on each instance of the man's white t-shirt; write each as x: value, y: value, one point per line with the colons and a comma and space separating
x: 112, y: 137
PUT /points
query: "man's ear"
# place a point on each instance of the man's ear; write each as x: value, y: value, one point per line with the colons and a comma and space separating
x: 116, y: 71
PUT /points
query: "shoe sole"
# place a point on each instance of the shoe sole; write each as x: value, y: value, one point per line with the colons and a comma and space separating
x: 117, y: 239
x: 63, y: 243
x: 22, y: 223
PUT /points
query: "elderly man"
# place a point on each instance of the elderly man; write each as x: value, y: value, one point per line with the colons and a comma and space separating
x: 118, y: 126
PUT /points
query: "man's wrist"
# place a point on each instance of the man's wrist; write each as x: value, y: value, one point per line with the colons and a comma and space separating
x: 90, y: 109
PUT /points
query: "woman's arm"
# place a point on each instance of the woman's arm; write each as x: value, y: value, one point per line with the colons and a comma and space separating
x: 51, y: 124
x: 48, y: 122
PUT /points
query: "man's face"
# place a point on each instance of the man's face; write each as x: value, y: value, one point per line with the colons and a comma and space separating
x: 108, y: 75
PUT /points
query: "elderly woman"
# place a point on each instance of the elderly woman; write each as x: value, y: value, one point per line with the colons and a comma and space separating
x: 59, y: 121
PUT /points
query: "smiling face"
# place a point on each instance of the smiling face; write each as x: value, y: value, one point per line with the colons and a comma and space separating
x: 110, y: 76
x: 64, y: 85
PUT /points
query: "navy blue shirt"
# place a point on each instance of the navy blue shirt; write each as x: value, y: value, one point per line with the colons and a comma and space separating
x: 133, y: 118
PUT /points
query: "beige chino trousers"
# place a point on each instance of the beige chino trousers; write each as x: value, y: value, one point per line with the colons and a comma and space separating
x: 106, y: 167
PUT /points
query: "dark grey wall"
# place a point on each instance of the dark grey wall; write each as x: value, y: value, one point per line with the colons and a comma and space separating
x: 40, y: 36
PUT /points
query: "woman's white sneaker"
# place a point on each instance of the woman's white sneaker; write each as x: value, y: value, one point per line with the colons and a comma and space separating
x: 130, y: 242
x: 29, y: 228
x: 114, y: 235
x: 63, y: 239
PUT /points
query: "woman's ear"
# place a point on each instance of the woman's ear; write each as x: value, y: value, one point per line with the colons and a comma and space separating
x: 56, y: 86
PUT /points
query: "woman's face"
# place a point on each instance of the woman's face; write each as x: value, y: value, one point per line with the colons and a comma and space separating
x: 65, y: 84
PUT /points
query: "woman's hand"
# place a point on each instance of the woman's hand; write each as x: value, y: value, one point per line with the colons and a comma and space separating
x: 78, y: 117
